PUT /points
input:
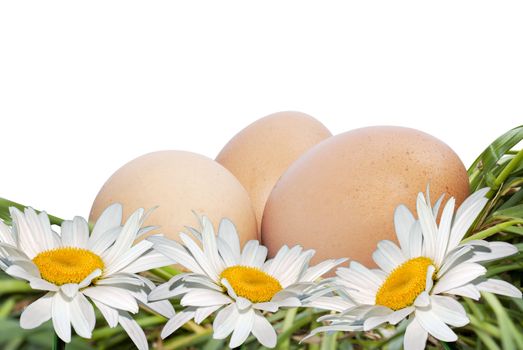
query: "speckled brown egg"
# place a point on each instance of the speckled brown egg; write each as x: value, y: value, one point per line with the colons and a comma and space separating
x: 339, y: 197
x: 259, y: 154
x: 178, y: 183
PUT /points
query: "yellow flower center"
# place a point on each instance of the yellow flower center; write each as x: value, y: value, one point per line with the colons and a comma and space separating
x: 251, y: 283
x: 67, y: 265
x: 404, y: 284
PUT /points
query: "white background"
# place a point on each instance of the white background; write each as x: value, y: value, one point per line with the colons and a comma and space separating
x: 87, y: 86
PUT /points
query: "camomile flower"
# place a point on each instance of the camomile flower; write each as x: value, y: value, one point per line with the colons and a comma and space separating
x: 237, y: 285
x: 420, y: 279
x: 77, y: 269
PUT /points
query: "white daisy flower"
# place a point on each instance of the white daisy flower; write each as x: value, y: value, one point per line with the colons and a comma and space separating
x: 75, y: 267
x: 238, y: 285
x: 420, y: 278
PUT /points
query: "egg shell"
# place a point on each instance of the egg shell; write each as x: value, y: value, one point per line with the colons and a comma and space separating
x: 179, y: 183
x: 339, y: 197
x: 260, y: 153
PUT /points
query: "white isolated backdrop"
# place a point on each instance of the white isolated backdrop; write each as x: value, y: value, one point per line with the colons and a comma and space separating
x: 87, y: 86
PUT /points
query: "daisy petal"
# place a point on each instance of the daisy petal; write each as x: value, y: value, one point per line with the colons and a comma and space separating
x: 134, y: 330
x: 61, y: 317
x: 435, y: 326
x: 204, y: 297
x: 110, y: 314
x: 449, y: 311
x: 118, y: 298
x: 176, y: 322
x: 227, y: 232
x: 224, y: 322
x: 203, y: 312
x: 403, y: 220
x: 468, y: 290
x: 465, y: 217
x: 82, y: 316
x: 415, y: 336
x: 263, y: 331
x: 37, y: 313
x: 496, y: 286
x: 244, y: 325
x: 458, y: 276
x: 110, y: 219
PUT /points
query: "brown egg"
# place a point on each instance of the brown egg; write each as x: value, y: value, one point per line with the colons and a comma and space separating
x: 259, y: 154
x: 178, y: 182
x: 339, y: 197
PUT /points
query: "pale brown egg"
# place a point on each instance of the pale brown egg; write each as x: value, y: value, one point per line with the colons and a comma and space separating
x: 339, y: 197
x: 178, y: 182
x: 259, y: 154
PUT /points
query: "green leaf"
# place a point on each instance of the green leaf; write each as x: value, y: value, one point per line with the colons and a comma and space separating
x: 489, y: 158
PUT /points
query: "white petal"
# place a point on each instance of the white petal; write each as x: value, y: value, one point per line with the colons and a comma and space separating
x: 204, y: 297
x: 40, y: 284
x: 457, y: 256
x: 210, y: 247
x: 69, y: 290
x: 468, y: 290
x: 415, y: 336
x: 203, y: 312
x: 389, y: 254
x: 428, y: 279
x: 100, y: 245
x: 90, y: 277
x: 243, y: 304
x: 126, y: 237
x: 428, y: 227
x: 443, y: 235
x: 422, y: 300
x: 117, y: 298
x: 397, y: 316
x: 416, y: 241
x: 110, y: 219
x: 27, y: 239
x: 134, y: 331
x: 61, y: 317
x: 129, y: 256
x: 458, y: 276
x: 499, y: 287
x: 267, y: 306
x: 435, y: 326
x: 82, y: 316
x: 403, y: 220
x: 148, y: 261
x: 225, y: 322
x: 315, y: 272
x: 243, y: 328
x: 176, y: 252
x: 6, y: 236
x: 37, y: 313
x: 199, y: 256
x: 110, y: 314
x: 465, y: 216
x: 378, y: 317
x: 75, y: 233
x: 449, y: 311
x: 249, y: 253
x: 263, y: 331
x: 176, y: 322
x: 498, y: 250
x: 227, y: 232
x: 19, y: 272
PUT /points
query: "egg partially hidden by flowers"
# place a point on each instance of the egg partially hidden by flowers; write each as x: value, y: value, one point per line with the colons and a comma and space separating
x: 179, y: 183
x: 259, y: 154
x: 339, y: 197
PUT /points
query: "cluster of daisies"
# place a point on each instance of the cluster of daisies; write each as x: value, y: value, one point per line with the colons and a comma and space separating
x: 418, y: 282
